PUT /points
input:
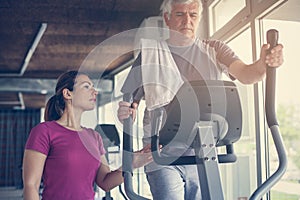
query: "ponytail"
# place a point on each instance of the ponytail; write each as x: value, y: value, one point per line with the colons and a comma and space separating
x: 53, y: 110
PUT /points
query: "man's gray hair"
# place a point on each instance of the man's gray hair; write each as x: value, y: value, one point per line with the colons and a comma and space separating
x: 166, y: 6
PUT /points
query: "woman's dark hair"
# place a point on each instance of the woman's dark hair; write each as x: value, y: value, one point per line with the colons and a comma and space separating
x: 56, y: 104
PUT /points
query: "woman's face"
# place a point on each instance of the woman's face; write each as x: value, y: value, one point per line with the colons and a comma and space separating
x: 84, y: 93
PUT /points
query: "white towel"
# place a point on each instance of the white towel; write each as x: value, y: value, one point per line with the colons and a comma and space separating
x: 160, y: 75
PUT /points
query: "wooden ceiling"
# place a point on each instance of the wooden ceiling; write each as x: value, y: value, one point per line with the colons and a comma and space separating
x: 74, y: 34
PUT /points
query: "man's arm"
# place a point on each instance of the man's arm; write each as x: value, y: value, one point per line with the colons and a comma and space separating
x: 252, y: 73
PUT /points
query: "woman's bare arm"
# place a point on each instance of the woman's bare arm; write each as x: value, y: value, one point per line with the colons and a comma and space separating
x: 33, y: 165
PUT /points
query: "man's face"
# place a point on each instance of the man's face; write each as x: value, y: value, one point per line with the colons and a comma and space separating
x: 184, y: 18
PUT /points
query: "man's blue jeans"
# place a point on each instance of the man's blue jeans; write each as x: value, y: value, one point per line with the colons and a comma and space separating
x: 179, y: 182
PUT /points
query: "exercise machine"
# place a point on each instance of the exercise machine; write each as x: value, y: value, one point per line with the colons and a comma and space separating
x: 111, y: 142
x: 213, y: 120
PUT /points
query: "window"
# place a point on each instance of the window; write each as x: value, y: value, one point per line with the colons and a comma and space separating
x: 237, y: 178
x: 284, y: 16
x: 223, y: 11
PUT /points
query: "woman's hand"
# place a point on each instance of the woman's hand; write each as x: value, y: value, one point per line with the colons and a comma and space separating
x: 142, y: 157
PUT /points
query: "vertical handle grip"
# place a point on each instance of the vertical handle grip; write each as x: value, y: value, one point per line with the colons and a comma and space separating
x: 272, y: 39
x: 128, y: 154
x: 127, y: 139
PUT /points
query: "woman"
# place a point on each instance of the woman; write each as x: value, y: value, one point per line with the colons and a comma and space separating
x: 68, y: 157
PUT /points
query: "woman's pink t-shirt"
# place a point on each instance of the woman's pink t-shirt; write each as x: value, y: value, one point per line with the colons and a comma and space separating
x: 73, y: 159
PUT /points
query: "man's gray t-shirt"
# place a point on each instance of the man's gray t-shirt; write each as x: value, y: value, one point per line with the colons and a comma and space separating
x: 203, y: 60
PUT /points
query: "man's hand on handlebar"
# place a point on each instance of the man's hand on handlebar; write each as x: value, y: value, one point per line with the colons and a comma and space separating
x: 126, y: 109
x: 274, y: 58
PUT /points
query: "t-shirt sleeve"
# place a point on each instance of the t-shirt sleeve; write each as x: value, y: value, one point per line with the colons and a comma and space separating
x: 100, y: 143
x: 38, y: 139
x: 134, y: 83
x: 224, y: 55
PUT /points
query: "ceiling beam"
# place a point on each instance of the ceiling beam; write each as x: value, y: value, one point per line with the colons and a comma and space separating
x: 30, y: 51
x: 45, y: 86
